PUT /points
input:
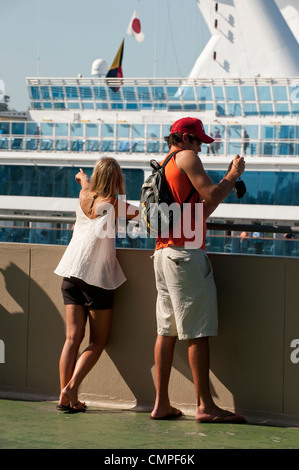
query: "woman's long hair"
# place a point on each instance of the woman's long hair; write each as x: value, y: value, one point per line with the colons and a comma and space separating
x: 107, y: 179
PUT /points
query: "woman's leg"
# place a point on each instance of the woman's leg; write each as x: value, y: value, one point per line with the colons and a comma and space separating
x: 100, y: 323
x: 75, y: 329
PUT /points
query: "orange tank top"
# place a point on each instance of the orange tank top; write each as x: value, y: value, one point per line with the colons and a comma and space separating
x: 190, y: 229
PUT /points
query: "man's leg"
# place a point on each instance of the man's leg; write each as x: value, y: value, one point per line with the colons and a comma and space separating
x: 164, y: 349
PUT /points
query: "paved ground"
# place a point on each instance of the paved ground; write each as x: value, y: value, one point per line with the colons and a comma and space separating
x: 38, y: 425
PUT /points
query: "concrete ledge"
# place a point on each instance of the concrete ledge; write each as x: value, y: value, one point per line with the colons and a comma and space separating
x: 251, y: 366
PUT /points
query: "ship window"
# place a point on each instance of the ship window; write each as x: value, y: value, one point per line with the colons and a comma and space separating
x: 107, y: 130
x: 31, y: 128
x: 282, y: 108
x: 35, y: 93
x: 47, y: 128
x: 18, y: 128
x: 59, y: 105
x: 117, y: 106
x: 153, y: 130
x: 234, y: 109
x: 264, y: 93
x: 57, y: 93
x: 129, y: 94
x: 248, y: 93
x: 193, y: 106
x: 174, y: 106
x: 266, y: 108
x: 47, y: 105
x: 115, y: 95
x: 234, y: 132
x: 45, y: 92
x: 123, y: 130
x: 131, y: 106
x: 61, y: 129
x: 219, y: 95
x: 173, y: 93
x: 88, y: 105
x: 99, y: 93
x: 187, y: 93
x: 92, y: 130
x: 280, y: 93
x: 107, y: 146
x: 204, y: 93
x: 71, y: 92
x: 143, y: 93
x: 232, y: 93
x: 134, y: 179
x: 37, y: 105
x: 158, y: 93
x: 73, y: 105
x: 295, y: 108
x: 77, y: 130
x: 85, y: 92
x: 296, y: 189
x: 250, y: 109
x: 266, y: 187
x: 284, y: 186
x: 138, y: 130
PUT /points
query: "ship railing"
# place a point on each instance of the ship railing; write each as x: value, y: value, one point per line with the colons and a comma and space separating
x: 224, y: 147
x: 222, y: 237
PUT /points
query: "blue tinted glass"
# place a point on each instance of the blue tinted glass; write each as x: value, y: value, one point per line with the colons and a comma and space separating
x: 131, y: 106
x: 266, y: 187
x: 251, y: 181
x: 280, y: 93
x: 85, y: 92
x: 252, y: 131
x: 71, y: 92
x: 4, y: 128
x: 92, y: 146
x: 219, y: 95
x: 133, y: 180
x: 234, y: 132
x: 193, y: 106
x: 123, y: 146
x: 87, y: 105
x: 59, y: 105
x: 158, y: 93
x: 129, y: 94
x: 234, y: 109
x: 234, y: 147
x: 204, y: 93
x: 166, y: 130
x: 269, y: 132
x: 138, y: 146
x: 117, y: 105
x: 61, y: 145
x: 174, y: 106
x: 57, y: 93
x: 107, y: 130
x: 153, y: 146
x: 47, y: 128
x: 92, y: 130
x: 187, y: 93
x: 37, y: 105
x: 35, y: 93
x: 264, y: 93
x: 123, y: 130
x: 18, y: 128
x: 47, y: 105
x: 232, y: 93
x: 295, y: 108
x: 100, y: 93
x: 296, y: 189
x: 284, y: 184
x: 153, y: 130
x: 138, y: 130
x: 31, y: 128
x: 266, y: 108
x: 102, y: 105
x: 173, y: 93
x: 143, y: 93
x: 45, y: 92
x: 77, y: 130
x: 73, y: 105
x: 160, y: 105
x: 114, y: 95
x: 145, y: 105
x: 248, y: 93
x: 282, y: 109
x: 221, y: 109
x: 250, y: 109
x: 107, y: 146
x: 61, y: 129
x: 286, y: 132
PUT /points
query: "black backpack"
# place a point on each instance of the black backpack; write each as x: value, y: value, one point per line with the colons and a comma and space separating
x: 154, y: 191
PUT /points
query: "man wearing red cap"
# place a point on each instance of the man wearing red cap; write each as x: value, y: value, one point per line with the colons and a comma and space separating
x: 186, y: 301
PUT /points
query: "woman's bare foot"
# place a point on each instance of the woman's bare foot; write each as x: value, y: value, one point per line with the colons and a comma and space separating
x: 71, y: 396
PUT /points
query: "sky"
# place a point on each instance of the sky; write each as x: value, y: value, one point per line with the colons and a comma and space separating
x: 62, y: 38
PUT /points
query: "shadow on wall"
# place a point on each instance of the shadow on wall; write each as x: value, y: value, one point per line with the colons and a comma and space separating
x: 28, y: 321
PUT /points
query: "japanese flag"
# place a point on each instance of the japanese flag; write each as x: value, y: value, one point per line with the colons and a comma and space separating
x: 134, y: 28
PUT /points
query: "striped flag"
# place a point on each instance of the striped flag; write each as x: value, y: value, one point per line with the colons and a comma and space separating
x: 115, y: 70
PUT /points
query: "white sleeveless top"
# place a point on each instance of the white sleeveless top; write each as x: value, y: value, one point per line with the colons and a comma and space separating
x: 91, y: 253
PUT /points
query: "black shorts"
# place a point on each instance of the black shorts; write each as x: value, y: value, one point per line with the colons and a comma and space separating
x: 77, y: 292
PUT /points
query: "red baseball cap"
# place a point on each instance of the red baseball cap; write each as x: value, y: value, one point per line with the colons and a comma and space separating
x: 191, y: 125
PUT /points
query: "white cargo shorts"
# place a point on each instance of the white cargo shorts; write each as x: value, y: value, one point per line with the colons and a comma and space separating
x: 187, y: 298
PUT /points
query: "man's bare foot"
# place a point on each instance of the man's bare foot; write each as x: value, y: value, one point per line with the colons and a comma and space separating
x: 218, y: 415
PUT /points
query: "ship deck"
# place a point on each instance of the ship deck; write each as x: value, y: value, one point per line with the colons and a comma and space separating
x: 38, y: 425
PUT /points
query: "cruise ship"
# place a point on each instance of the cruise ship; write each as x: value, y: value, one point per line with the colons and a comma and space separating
x: 244, y: 86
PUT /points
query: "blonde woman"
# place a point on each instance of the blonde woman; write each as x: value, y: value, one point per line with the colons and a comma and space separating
x: 91, y: 273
